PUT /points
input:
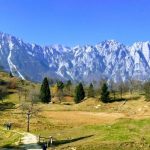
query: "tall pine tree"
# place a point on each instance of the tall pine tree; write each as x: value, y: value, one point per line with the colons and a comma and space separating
x: 45, y: 94
x: 91, y: 91
x: 79, y: 93
x: 60, y: 86
x: 68, y: 85
x: 105, y: 93
x: 10, y: 74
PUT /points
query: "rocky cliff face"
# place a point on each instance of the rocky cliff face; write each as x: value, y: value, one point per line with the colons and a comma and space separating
x: 109, y: 59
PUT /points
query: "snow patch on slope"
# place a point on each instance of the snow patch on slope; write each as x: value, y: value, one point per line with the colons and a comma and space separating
x: 12, y: 66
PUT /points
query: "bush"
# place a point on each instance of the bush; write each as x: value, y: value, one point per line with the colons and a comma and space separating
x: 12, y: 84
x: 3, y: 93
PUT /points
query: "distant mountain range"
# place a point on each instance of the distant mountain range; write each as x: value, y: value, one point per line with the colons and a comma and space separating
x: 108, y: 59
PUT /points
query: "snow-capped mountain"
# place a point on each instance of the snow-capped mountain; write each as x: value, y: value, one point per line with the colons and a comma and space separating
x: 109, y: 59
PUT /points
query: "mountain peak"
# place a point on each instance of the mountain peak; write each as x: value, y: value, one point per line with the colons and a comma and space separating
x: 109, y: 59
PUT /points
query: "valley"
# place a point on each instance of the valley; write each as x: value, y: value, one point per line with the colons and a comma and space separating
x: 74, y: 75
x: 90, y: 124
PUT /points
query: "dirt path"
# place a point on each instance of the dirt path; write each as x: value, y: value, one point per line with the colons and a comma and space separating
x: 30, y: 141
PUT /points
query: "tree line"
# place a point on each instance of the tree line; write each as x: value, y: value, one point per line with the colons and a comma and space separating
x: 106, y: 91
x: 79, y: 92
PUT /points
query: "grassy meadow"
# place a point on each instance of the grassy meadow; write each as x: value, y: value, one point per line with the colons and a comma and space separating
x: 91, y: 124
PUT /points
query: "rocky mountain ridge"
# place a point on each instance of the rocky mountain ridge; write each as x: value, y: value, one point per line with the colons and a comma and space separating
x: 108, y: 59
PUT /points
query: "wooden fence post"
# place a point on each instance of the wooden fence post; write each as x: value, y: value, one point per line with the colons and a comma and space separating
x: 51, y: 140
x: 47, y: 144
x: 39, y: 138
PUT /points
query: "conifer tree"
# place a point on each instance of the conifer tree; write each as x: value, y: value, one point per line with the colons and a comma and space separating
x: 79, y: 93
x: 91, y: 91
x: 68, y: 85
x: 60, y: 87
x: 105, y: 93
x: 147, y: 90
x: 45, y: 94
x: 10, y: 74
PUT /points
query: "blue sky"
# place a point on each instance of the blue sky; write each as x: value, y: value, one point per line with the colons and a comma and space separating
x: 72, y: 22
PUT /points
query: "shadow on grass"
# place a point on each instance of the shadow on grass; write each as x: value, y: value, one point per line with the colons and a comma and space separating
x: 2, y: 82
x: 117, y: 100
x: 9, y: 147
x: 6, y: 105
x: 20, y: 147
x: 10, y: 92
x: 34, y: 146
x: 124, y: 99
x: 59, y: 142
x: 133, y: 98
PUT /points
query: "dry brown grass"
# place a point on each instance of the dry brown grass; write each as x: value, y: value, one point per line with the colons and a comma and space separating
x: 72, y: 120
x: 76, y: 118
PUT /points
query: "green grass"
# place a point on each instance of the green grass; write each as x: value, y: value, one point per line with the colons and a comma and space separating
x: 8, y: 138
x: 123, y: 130
x: 120, y: 135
